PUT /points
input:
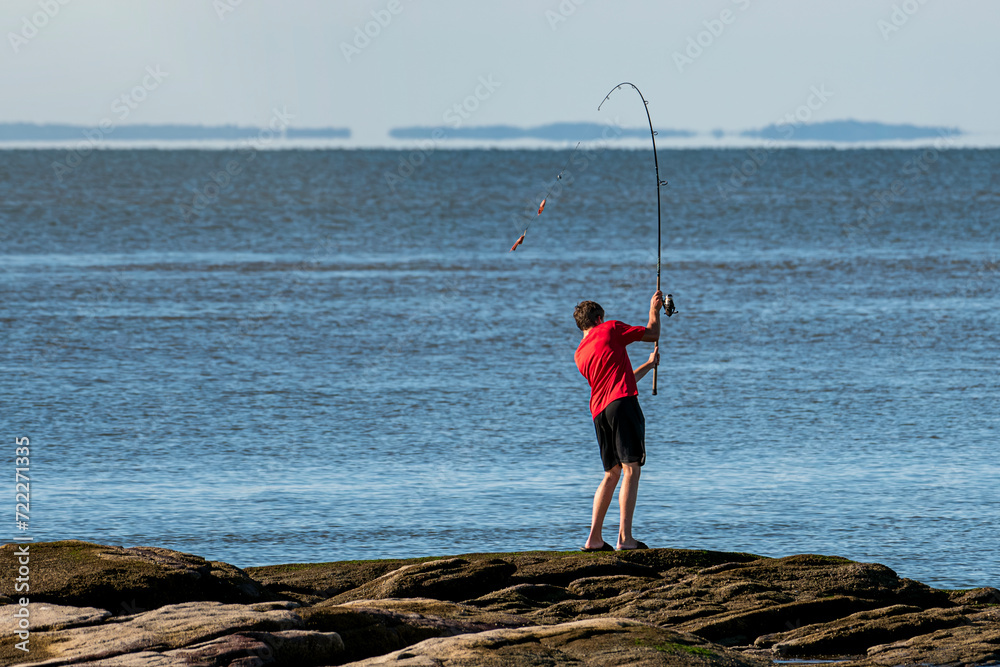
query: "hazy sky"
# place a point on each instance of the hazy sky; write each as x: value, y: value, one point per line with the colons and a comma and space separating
x: 729, y: 64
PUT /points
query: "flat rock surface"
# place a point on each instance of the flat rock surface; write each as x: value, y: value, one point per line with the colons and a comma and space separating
x: 375, y: 627
x: 977, y: 643
x: 46, y: 616
x: 656, y: 606
x: 321, y: 581
x: 326, y: 580
x: 859, y: 631
x: 171, y: 626
x: 604, y: 641
x: 431, y: 608
x: 289, y: 647
x: 447, y: 579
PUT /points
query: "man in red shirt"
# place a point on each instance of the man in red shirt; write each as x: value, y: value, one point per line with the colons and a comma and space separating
x: 614, y: 404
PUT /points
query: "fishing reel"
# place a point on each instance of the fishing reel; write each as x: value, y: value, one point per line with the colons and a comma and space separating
x: 668, y: 305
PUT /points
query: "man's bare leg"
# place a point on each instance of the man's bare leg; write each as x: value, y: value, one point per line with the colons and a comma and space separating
x: 602, y: 500
x: 626, y: 503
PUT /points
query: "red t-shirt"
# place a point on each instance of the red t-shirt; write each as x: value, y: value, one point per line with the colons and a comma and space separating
x: 602, y: 359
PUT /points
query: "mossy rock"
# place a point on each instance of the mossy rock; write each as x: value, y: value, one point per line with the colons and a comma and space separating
x: 311, y: 582
x: 811, y: 560
x: 599, y: 641
x: 126, y: 581
x: 375, y: 627
x: 668, y: 559
x: 563, y: 571
x: 451, y: 579
x: 985, y: 596
x: 325, y: 580
x: 596, y: 588
x: 522, y: 598
x: 856, y: 633
x: 815, y: 576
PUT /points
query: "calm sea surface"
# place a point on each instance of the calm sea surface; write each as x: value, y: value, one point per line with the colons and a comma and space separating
x: 314, y: 362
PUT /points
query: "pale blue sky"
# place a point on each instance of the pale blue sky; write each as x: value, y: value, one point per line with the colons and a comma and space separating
x: 937, y: 68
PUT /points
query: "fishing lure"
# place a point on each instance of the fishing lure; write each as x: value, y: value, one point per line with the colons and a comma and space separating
x: 519, y: 241
x: 541, y: 207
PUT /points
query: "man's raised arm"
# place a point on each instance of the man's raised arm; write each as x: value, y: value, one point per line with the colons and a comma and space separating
x: 654, y: 360
x: 653, y: 327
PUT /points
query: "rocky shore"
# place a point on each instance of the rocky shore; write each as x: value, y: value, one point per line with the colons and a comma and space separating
x: 98, y: 605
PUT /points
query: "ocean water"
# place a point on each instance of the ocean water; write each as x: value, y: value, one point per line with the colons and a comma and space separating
x: 330, y: 355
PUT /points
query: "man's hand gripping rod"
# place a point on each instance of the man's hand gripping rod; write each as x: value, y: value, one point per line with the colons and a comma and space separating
x: 668, y: 308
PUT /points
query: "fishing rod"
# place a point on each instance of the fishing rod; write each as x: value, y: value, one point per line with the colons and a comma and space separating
x: 541, y: 207
x: 668, y: 304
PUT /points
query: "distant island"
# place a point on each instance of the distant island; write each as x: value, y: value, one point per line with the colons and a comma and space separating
x: 845, y: 131
x: 839, y: 131
x: 550, y: 132
x: 60, y: 132
x: 850, y: 130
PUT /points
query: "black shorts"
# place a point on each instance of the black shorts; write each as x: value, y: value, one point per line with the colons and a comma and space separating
x: 621, y: 433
